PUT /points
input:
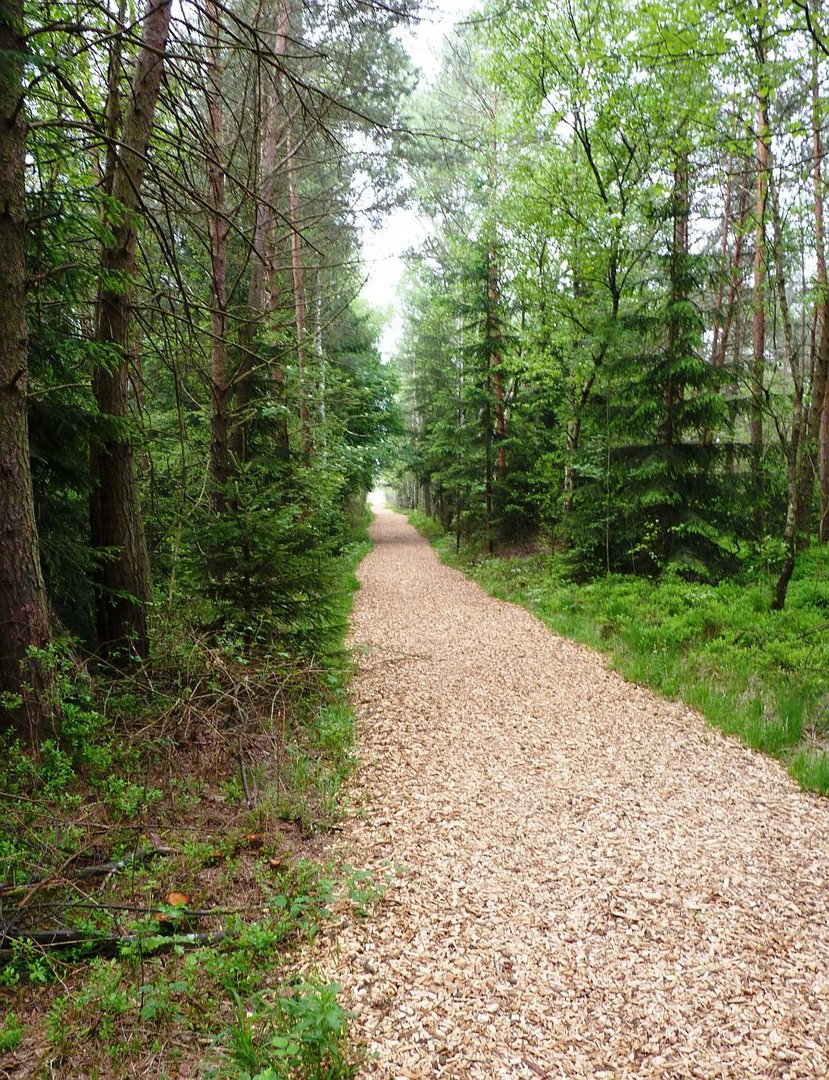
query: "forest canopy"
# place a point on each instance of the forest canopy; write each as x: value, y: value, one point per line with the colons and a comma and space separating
x: 190, y: 389
x: 616, y: 336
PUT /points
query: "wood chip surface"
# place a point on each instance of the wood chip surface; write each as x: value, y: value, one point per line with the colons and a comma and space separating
x: 591, y: 882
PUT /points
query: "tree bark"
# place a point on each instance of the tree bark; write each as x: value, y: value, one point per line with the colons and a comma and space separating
x: 220, y: 470
x: 718, y: 357
x: 759, y: 320
x: 262, y: 286
x: 117, y: 531
x: 675, y: 347
x: 795, y: 462
x: 720, y: 296
x: 820, y: 381
x: 678, y: 293
x: 726, y: 318
x: 24, y: 613
x: 823, y: 468
x: 299, y: 290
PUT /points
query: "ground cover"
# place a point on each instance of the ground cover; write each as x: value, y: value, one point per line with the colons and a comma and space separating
x: 162, y: 864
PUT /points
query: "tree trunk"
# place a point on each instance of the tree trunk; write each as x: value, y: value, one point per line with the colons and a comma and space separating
x: 718, y: 301
x: 718, y: 357
x: 823, y: 467
x: 675, y: 347
x: 24, y: 613
x: 262, y: 286
x: 820, y: 379
x: 299, y: 290
x: 724, y: 324
x: 795, y: 451
x: 218, y: 229
x: 117, y: 531
x: 759, y: 332
x: 678, y: 293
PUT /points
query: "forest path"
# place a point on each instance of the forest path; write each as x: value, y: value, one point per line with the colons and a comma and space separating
x: 594, y: 883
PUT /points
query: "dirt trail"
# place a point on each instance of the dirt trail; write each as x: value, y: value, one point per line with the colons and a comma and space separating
x: 594, y: 883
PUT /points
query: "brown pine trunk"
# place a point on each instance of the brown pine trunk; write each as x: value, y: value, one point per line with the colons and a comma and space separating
x: 117, y: 532
x: 299, y: 289
x: 759, y: 321
x: 718, y: 357
x: 218, y: 229
x: 262, y: 286
x: 673, y: 393
x: 757, y: 377
x: 494, y: 303
x: 820, y: 380
x: 496, y: 353
x: 488, y: 470
x: 679, y: 251
x: 24, y: 615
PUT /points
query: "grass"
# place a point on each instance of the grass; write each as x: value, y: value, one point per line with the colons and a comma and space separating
x: 204, y: 776
x: 760, y: 675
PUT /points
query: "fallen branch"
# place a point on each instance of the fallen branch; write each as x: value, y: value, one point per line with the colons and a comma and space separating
x: 95, y: 870
x: 107, y: 945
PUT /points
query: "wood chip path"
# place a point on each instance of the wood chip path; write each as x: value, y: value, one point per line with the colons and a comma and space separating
x: 593, y: 883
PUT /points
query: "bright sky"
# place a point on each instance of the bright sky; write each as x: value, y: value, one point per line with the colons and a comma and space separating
x: 383, y: 248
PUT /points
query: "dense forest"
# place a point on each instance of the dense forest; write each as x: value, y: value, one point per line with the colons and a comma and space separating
x: 617, y: 334
x: 613, y: 360
x: 191, y: 389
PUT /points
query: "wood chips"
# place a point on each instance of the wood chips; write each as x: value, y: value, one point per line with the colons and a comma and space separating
x: 592, y: 883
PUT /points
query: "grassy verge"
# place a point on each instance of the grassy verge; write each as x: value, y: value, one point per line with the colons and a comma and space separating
x: 159, y: 867
x: 754, y: 673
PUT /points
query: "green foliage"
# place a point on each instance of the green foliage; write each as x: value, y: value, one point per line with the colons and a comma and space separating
x: 627, y: 417
x: 364, y: 892
x: 298, y: 1036
x: 426, y: 525
x: 11, y: 1032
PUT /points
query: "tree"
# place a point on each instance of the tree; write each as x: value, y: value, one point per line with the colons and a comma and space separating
x: 24, y: 615
x: 117, y: 527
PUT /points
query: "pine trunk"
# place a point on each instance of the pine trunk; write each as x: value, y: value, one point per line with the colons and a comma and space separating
x: 794, y: 469
x: 734, y: 278
x: 24, y: 615
x: 262, y: 286
x: 218, y: 228
x: 720, y: 295
x: 820, y: 380
x: 759, y: 322
x: 299, y: 289
x: 823, y: 468
x: 116, y: 525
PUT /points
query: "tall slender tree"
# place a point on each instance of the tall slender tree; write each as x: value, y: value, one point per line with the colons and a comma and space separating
x: 25, y: 681
x: 116, y: 521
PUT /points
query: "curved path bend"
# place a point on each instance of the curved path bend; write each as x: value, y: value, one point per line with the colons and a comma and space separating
x: 592, y: 883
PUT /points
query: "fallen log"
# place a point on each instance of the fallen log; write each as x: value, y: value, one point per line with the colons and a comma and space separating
x: 106, y: 944
x: 65, y: 873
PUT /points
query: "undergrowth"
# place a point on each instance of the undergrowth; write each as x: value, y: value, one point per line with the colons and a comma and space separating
x: 156, y: 869
x: 758, y: 674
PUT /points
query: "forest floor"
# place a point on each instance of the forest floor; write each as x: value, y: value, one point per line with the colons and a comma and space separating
x: 584, y: 879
